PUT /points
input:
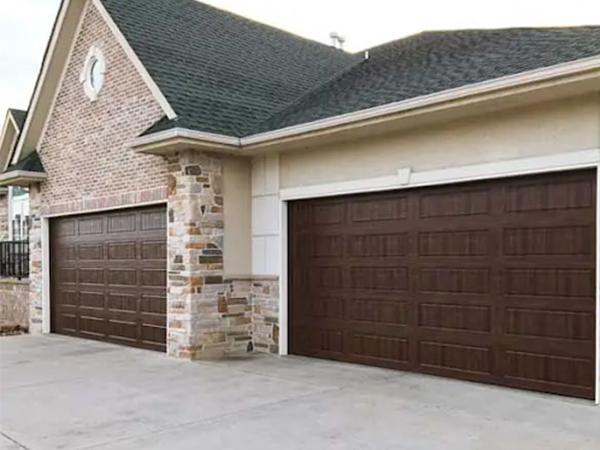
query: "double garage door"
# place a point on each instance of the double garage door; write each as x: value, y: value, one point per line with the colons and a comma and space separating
x: 491, y: 282
x: 108, y: 277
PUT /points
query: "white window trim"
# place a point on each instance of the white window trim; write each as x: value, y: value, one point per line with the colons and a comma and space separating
x: 587, y: 159
x: 93, y: 56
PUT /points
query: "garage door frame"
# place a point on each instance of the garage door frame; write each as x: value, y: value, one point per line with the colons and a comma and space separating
x: 46, y: 262
x: 587, y: 159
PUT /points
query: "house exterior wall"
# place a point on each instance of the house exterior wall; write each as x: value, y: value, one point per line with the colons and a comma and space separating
x: 84, y: 146
x: 84, y: 151
x: 4, y: 198
x: 14, y: 302
x: 544, y: 129
x: 568, y: 125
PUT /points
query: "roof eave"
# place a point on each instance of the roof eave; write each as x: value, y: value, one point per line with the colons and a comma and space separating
x: 475, y: 90
x: 170, y: 141
x: 21, y: 178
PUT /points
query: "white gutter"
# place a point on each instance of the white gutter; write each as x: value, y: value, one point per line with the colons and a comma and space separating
x: 485, y: 87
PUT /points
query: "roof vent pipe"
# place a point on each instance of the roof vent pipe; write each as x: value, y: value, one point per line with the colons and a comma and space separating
x: 337, y: 40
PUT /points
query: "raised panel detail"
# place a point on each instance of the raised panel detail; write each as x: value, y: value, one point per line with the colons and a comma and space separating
x: 121, y: 223
x: 122, y: 250
x: 458, y: 317
x: 551, y: 282
x: 389, y: 209
x: 93, y: 225
x: 91, y: 252
x: 125, y: 277
x: 155, y: 220
x: 460, y: 281
x: 380, y: 278
x: 549, y: 241
x: 91, y: 299
x: 459, y: 357
x: 328, y: 214
x: 325, y: 277
x: 154, y: 250
x: 455, y: 204
x: 455, y: 243
x: 122, y: 302
x: 550, y: 324
x: 548, y: 368
x: 379, y: 311
x: 380, y: 347
x: 91, y: 276
x: 379, y: 245
x: 548, y: 196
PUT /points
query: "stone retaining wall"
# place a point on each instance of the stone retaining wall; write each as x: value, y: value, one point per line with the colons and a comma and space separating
x: 14, y: 302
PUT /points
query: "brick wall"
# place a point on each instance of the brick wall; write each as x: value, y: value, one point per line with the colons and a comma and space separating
x: 14, y: 302
x: 84, y: 147
x: 3, y: 217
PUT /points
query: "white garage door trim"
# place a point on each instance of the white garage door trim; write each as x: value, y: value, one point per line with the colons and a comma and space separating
x: 406, y: 179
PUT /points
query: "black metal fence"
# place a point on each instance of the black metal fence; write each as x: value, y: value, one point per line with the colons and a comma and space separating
x: 14, y: 259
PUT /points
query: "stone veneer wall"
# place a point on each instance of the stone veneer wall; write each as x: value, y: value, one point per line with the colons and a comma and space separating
x: 3, y: 216
x: 14, y: 302
x: 36, y: 311
x: 208, y: 317
x: 264, y: 297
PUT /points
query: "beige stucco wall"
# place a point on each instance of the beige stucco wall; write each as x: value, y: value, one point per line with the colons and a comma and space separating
x: 546, y: 128
x: 236, y: 216
x: 84, y: 149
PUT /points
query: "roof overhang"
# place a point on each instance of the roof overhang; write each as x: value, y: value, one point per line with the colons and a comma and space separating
x: 21, y: 178
x: 8, y: 138
x: 548, y: 83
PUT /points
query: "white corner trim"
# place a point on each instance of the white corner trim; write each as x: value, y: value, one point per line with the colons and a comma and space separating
x: 485, y: 87
x: 23, y: 174
x: 404, y: 176
x: 283, y: 280
x: 184, y: 133
x: 156, y: 92
x: 46, y: 309
x: 500, y: 169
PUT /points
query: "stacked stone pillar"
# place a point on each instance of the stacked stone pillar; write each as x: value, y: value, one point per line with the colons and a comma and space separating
x: 201, y: 324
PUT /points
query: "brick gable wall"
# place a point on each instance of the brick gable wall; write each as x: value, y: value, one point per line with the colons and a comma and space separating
x: 84, y: 147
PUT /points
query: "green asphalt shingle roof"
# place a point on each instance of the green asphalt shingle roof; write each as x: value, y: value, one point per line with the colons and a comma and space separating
x: 31, y: 163
x: 226, y: 74
x: 19, y: 116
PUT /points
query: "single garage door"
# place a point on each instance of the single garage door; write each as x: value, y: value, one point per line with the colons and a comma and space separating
x: 108, y: 277
x: 491, y: 282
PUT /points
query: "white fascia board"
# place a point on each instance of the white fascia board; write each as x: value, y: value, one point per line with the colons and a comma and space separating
x: 7, y: 122
x: 156, y: 92
x: 485, y: 87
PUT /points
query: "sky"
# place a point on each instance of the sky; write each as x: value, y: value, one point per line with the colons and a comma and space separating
x: 25, y: 25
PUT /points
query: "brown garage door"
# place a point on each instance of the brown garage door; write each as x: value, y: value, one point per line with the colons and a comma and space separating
x: 490, y: 282
x: 109, y: 277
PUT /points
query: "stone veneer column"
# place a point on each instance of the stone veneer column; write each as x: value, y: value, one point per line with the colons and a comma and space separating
x: 207, y: 318
x: 35, y: 261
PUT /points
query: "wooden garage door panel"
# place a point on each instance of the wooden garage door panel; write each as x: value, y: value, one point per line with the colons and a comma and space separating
x: 109, y: 277
x: 491, y: 281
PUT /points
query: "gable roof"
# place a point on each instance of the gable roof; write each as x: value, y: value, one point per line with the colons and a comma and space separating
x: 19, y: 117
x: 432, y: 62
x: 220, y: 72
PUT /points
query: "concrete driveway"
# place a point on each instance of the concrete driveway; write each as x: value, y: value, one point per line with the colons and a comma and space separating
x: 61, y: 393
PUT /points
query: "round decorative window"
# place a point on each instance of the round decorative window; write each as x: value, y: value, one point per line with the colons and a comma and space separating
x: 92, y: 75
